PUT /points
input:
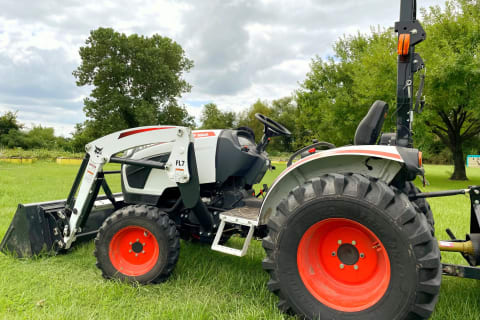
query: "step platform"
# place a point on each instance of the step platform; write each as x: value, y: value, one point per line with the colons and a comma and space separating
x: 245, y: 216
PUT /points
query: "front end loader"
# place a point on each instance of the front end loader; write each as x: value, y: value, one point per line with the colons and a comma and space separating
x: 347, y: 235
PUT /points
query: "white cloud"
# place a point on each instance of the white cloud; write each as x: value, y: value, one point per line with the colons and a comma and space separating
x: 243, y: 50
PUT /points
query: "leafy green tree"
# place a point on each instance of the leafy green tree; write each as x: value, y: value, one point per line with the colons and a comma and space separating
x: 9, y: 121
x: 10, y: 134
x: 134, y: 78
x: 84, y: 133
x: 322, y: 97
x: 173, y: 114
x: 213, y: 118
x: 283, y: 111
x: 452, y: 55
x: 337, y: 92
x: 247, y: 117
x: 40, y: 137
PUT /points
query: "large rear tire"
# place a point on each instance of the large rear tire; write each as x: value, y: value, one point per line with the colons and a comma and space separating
x: 349, y: 247
x: 421, y: 204
x: 137, y: 244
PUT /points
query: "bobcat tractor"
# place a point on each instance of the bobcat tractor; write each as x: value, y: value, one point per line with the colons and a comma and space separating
x: 346, y: 233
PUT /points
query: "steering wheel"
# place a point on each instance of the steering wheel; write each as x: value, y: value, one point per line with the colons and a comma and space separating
x: 273, y: 125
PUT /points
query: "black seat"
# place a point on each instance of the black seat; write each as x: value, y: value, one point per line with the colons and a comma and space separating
x: 369, y: 128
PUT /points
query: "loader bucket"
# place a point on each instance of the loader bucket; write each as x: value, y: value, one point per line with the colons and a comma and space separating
x: 36, y: 228
x: 31, y: 231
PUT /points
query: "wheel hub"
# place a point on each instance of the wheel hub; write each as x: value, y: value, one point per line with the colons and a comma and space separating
x: 348, y: 254
x: 137, y: 247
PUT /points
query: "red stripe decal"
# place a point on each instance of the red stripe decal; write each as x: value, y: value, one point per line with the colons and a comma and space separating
x: 204, y: 134
x: 372, y: 152
x: 129, y: 133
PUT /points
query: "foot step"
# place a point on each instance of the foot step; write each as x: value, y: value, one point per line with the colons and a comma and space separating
x: 244, y: 216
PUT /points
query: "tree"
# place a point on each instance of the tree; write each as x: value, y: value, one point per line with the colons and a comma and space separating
x: 84, y: 133
x: 8, y: 121
x: 453, y: 86
x: 174, y: 114
x: 40, y: 137
x: 134, y: 79
x: 338, y: 91
x: 283, y: 111
x: 10, y: 130
x: 247, y: 117
x: 214, y: 118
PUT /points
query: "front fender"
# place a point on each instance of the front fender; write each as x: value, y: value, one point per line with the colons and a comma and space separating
x: 381, y: 162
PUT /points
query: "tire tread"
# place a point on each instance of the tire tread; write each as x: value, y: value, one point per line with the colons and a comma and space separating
x: 158, y: 217
x: 397, y: 205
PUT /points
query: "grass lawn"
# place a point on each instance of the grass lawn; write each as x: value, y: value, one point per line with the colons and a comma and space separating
x: 204, y: 285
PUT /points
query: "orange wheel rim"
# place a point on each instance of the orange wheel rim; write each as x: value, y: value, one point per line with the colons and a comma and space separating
x: 343, y: 264
x: 133, y: 251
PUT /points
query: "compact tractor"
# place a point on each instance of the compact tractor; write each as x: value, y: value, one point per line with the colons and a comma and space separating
x: 347, y: 235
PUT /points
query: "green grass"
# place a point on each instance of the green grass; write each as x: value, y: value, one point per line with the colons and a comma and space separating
x: 205, y: 284
x: 41, y: 154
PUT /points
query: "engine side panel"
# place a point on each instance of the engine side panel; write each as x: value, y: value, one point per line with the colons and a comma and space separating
x: 155, y: 181
x: 375, y: 161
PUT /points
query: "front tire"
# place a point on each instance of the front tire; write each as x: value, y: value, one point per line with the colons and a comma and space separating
x: 137, y: 244
x: 348, y: 247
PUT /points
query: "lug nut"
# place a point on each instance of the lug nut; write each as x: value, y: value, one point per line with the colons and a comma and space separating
x: 355, y: 267
x: 143, y: 244
x: 342, y: 266
x: 143, y: 251
x: 130, y: 243
x: 138, y: 240
x: 354, y: 242
x: 136, y: 254
x: 130, y: 250
x: 339, y: 241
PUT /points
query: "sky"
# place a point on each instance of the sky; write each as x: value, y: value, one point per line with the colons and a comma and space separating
x: 242, y: 50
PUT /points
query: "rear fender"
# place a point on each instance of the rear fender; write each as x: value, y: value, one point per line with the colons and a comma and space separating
x: 381, y: 162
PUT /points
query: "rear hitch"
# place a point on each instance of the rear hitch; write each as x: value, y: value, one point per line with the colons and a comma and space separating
x: 468, y: 248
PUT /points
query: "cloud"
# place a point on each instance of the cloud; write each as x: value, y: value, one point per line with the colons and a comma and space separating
x: 243, y: 50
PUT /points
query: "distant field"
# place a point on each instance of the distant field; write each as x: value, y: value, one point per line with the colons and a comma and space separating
x: 205, y: 284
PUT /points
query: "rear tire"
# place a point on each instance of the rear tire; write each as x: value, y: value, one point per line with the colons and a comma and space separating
x: 137, y: 243
x: 421, y: 204
x: 348, y: 247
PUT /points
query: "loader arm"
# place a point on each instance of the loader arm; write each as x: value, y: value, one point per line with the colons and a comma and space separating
x: 102, y: 151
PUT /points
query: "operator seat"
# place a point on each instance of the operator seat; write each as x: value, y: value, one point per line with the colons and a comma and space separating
x: 369, y: 128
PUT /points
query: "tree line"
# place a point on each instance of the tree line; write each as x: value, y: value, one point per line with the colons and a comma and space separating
x: 137, y: 81
x: 13, y: 135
